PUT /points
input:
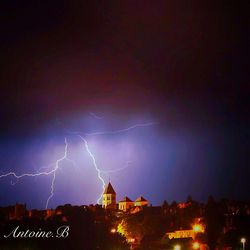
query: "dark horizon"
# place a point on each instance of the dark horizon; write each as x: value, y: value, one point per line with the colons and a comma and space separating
x: 170, y: 203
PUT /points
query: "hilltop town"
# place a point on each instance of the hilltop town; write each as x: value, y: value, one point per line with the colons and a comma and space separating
x: 128, y: 224
x: 126, y: 204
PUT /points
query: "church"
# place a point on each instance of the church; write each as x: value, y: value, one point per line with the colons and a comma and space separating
x: 109, y: 197
x: 126, y: 204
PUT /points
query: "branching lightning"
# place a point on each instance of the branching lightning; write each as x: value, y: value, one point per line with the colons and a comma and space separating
x: 122, y: 130
x: 65, y: 157
x: 56, y: 165
x: 51, y: 172
x: 95, y: 165
x: 96, y: 116
x: 115, y: 131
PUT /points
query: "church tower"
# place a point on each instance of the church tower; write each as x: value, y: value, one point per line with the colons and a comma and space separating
x: 109, y: 197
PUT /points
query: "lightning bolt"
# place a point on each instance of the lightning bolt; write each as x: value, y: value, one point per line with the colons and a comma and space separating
x: 46, y: 173
x: 25, y: 175
x: 111, y: 132
x: 96, y: 116
x: 117, y: 169
x: 98, y: 170
x: 64, y: 157
x: 95, y: 165
x: 53, y: 172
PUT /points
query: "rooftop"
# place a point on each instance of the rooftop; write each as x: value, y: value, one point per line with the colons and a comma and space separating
x: 140, y: 199
x: 125, y: 199
x: 109, y: 189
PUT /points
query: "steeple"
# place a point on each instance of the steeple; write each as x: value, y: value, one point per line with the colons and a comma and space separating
x: 109, y: 197
x: 109, y: 189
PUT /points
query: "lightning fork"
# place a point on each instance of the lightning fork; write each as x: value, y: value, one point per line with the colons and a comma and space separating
x: 44, y: 173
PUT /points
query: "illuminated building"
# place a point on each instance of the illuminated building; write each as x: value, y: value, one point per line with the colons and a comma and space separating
x: 140, y: 202
x: 50, y: 212
x: 39, y: 214
x: 179, y: 234
x: 190, y: 233
x: 109, y: 200
x: 109, y: 197
x: 184, y: 204
x: 125, y: 204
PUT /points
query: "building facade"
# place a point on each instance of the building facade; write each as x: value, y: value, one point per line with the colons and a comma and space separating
x: 109, y: 197
x: 140, y: 202
x: 125, y: 204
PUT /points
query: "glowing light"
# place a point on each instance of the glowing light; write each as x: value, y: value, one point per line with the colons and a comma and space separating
x: 177, y: 247
x: 196, y: 245
x: 131, y: 240
x: 198, y: 228
x: 113, y: 230
x: 121, y: 229
x: 243, y: 240
x: 56, y: 165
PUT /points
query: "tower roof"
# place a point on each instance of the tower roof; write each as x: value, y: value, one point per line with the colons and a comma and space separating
x: 140, y: 199
x: 125, y: 199
x: 109, y: 189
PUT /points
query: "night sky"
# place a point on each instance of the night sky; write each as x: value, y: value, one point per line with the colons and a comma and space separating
x: 181, y: 66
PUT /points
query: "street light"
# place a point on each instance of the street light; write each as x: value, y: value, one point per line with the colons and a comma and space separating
x: 243, y: 241
x: 196, y: 245
x: 198, y: 228
x: 131, y: 240
x: 177, y: 247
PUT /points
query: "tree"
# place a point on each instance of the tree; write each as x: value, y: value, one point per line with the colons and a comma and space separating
x: 214, y: 220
